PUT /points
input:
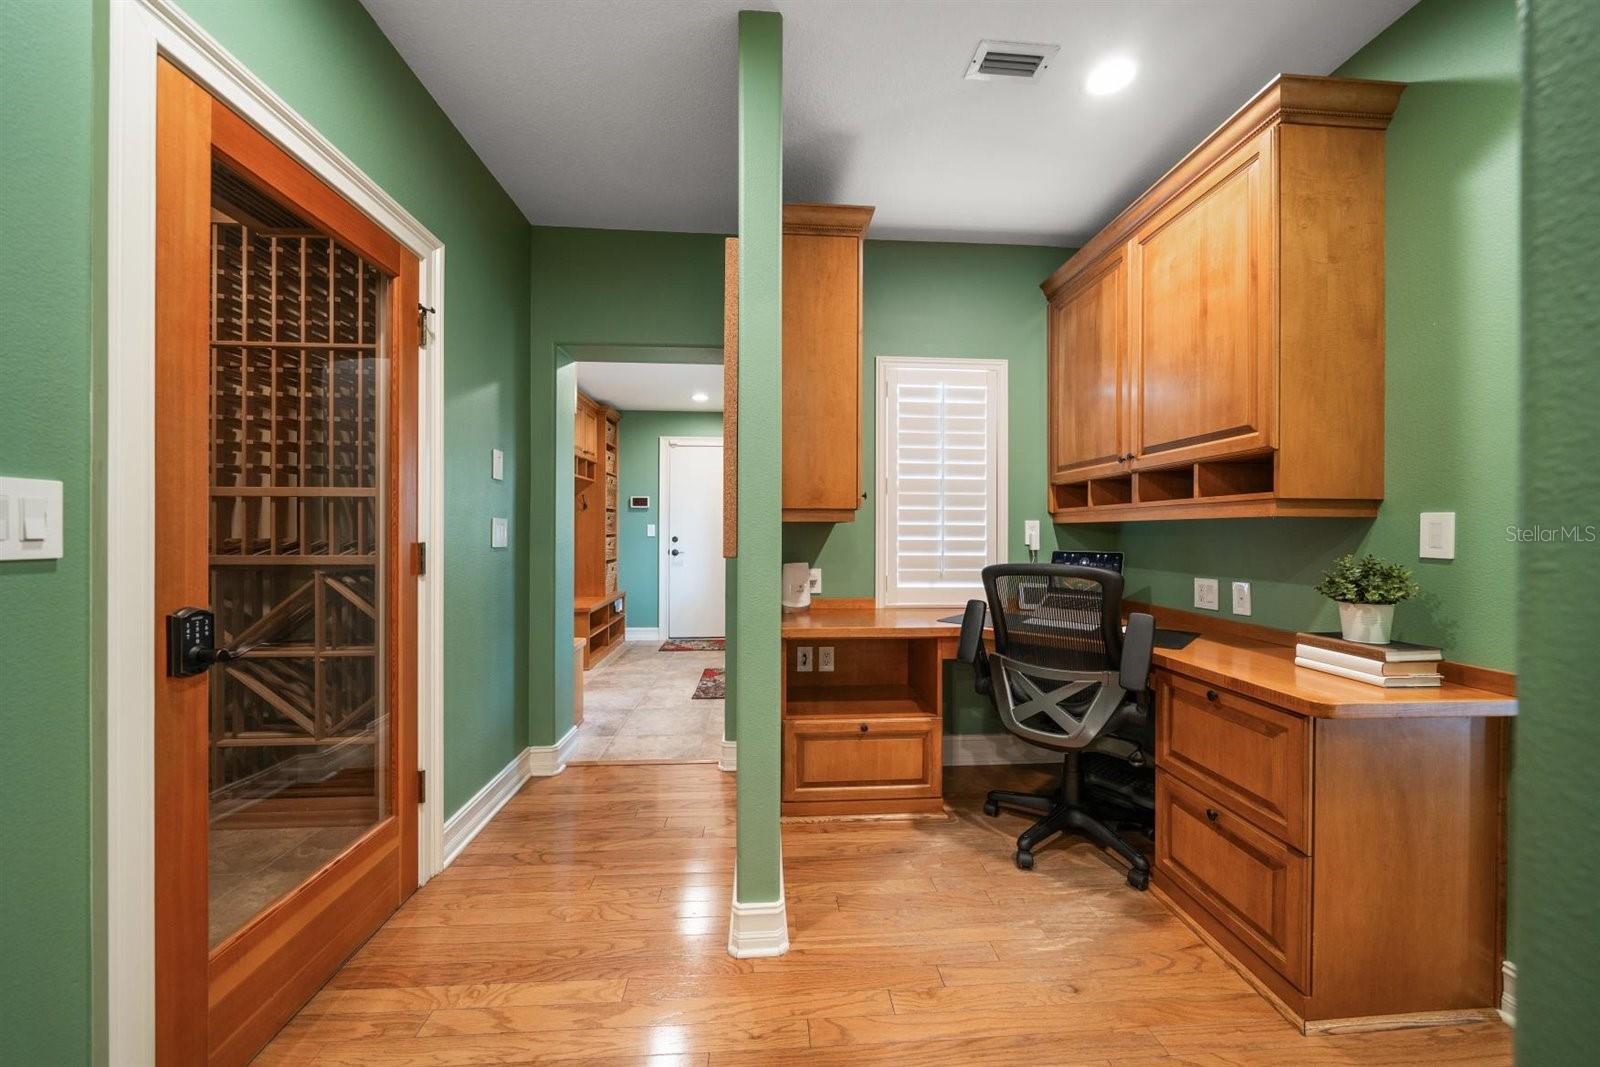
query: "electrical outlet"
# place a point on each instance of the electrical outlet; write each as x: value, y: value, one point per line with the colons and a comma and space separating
x: 802, y: 659
x: 1241, y: 598
x: 1205, y: 593
x: 814, y: 581
x: 825, y: 659
x: 1030, y: 533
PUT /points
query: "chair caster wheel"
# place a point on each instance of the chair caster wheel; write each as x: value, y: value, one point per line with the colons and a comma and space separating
x: 1025, y: 861
x: 990, y: 808
x: 1139, y: 879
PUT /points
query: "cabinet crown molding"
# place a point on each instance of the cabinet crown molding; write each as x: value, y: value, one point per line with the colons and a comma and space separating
x: 827, y: 220
x: 1289, y: 99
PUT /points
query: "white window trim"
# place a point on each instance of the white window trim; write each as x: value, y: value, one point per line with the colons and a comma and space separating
x: 886, y: 595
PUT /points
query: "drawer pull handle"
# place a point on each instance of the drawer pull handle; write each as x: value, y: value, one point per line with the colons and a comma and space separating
x: 1211, y: 695
x: 863, y: 727
x: 1211, y: 813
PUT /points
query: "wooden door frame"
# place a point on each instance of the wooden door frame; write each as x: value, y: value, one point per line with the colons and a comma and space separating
x: 140, y: 30
x: 662, y: 588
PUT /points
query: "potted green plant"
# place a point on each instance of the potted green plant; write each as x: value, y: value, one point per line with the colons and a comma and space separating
x: 1367, y: 589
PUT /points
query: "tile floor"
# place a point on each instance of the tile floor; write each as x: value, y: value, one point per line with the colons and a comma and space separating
x: 639, y: 705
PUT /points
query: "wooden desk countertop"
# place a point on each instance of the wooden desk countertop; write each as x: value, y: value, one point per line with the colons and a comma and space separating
x: 1261, y: 669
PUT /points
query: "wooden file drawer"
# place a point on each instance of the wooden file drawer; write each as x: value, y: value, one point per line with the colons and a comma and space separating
x: 1255, y: 758
x: 861, y: 759
x: 1254, y: 884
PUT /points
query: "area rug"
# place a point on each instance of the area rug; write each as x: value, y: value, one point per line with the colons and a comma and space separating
x: 713, y: 685
x: 696, y: 644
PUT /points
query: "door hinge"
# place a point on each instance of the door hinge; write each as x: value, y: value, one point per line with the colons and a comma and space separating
x: 422, y: 558
x: 422, y: 786
x: 423, y: 311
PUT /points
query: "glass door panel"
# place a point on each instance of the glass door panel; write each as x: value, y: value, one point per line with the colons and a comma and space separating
x: 298, y: 723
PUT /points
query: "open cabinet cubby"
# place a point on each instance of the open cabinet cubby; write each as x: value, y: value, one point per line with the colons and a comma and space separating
x: 869, y: 678
x: 1169, y: 492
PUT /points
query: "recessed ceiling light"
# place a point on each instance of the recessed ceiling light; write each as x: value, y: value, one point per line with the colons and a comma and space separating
x: 1110, y: 75
x: 699, y: 398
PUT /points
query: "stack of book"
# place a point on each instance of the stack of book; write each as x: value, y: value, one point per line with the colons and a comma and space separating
x: 1394, y: 665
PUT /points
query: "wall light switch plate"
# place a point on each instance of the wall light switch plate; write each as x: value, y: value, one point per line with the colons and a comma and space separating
x: 649, y: 529
x: 32, y: 519
x: 814, y: 582
x: 825, y: 659
x: 1438, y: 535
x: 1241, y: 598
x: 1205, y: 593
x: 802, y: 659
x: 498, y: 534
x: 497, y: 465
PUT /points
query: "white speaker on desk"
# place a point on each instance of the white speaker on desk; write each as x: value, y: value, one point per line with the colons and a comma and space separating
x: 796, y: 586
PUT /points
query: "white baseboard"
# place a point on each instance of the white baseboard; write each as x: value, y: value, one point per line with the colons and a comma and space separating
x: 756, y: 930
x: 990, y: 750
x: 728, y: 757
x: 1508, y: 992
x: 546, y: 760
x: 535, y: 761
x: 464, y: 825
x: 642, y: 633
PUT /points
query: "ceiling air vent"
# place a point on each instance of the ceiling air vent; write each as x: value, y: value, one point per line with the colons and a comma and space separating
x: 1010, y: 59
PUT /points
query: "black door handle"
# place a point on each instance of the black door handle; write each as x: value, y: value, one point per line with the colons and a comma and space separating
x: 673, y: 551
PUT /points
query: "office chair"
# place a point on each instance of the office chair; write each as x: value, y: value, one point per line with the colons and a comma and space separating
x: 1064, y: 676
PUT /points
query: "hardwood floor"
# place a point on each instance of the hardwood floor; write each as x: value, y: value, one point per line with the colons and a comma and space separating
x: 588, y: 924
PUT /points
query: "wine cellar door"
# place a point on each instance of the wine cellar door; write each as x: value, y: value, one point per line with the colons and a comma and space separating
x: 286, y: 773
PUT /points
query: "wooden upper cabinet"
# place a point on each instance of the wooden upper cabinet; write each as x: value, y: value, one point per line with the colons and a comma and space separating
x: 1217, y: 349
x: 1088, y: 373
x: 822, y: 266
x: 1202, y: 385
x: 586, y: 431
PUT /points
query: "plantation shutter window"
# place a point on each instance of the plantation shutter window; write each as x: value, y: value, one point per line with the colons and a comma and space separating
x: 942, y: 464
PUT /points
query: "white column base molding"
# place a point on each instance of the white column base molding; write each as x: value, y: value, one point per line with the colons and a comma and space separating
x: 642, y: 633
x: 728, y: 757
x: 992, y: 750
x: 756, y: 930
x: 546, y: 760
x: 464, y: 825
x: 1508, y: 992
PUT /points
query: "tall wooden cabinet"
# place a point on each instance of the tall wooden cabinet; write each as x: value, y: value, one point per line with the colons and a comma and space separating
x: 822, y: 257
x: 597, y: 613
x: 1217, y: 350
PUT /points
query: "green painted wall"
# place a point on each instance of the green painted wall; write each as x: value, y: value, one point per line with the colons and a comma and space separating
x: 614, y: 288
x: 639, y: 473
x: 966, y: 301
x: 1452, y: 310
x: 754, y: 660
x: 333, y: 65
x: 47, y: 78
x: 1555, y: 789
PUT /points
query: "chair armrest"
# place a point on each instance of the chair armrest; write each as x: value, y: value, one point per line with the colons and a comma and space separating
x: 1137, y: 643
x: 970, y: 648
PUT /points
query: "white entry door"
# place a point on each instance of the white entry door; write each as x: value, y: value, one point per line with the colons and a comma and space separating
x: 691, y: 536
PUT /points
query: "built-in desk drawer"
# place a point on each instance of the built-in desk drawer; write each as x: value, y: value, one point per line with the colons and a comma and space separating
x: 891, y: 757
x: 1255, y: 758
x: 1254, y: 884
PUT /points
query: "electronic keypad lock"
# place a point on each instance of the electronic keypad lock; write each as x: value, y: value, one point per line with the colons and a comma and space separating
x: 192, y: 643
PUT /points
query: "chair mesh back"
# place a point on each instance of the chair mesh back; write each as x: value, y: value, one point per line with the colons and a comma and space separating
x: 1056, y: 616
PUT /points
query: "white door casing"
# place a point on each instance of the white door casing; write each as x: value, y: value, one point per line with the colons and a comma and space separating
x: 693, y: 575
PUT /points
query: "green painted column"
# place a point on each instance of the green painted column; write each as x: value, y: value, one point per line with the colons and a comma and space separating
x: 1555, y: 787
x: 754, y: 656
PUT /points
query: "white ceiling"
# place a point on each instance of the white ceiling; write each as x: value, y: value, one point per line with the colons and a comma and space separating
x: 652, y: 386
x: 621, y: 114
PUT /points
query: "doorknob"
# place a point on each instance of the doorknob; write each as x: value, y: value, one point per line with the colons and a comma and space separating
x: 674, y: 552
x: 191, y: 643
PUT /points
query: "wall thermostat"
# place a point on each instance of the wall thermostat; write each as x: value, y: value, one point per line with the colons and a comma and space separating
x: 639, y: 503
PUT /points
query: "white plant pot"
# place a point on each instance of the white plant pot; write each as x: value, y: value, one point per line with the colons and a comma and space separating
x: 1368, y: 623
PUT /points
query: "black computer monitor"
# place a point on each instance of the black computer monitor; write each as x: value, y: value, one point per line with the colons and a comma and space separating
x: 1111, y: 561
